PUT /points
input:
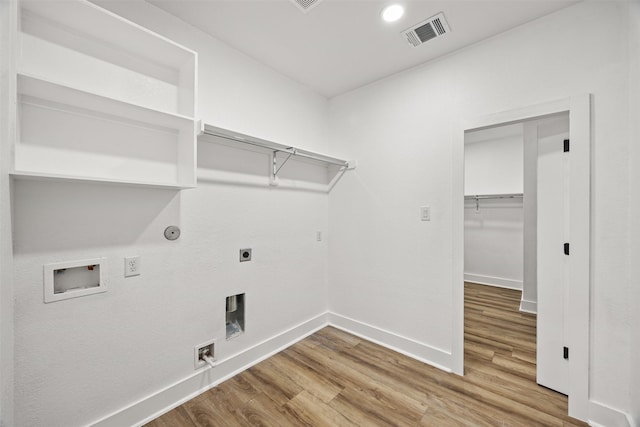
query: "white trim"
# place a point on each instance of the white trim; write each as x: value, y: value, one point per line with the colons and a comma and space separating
x: 601, y: 415
x: 527, y: 306
x: 579, y: 293
x: 8, y: 103
x: 578, y: 316
x: 407, y: 346
x: 163, y: 401
x: 499, y: 282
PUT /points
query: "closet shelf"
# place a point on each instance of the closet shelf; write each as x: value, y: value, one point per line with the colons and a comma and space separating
x: 39, y: 176
x: 52, y: 92
x: 493, y: 196
x: 95, y: 23
x: 478, y: 197
x: 209, y: 133
x: 101, y: 99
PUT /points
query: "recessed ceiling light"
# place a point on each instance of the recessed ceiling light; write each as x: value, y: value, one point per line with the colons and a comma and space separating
x: 392, y: 13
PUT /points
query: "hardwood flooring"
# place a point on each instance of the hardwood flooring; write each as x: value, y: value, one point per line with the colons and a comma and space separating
x: 333, y: 378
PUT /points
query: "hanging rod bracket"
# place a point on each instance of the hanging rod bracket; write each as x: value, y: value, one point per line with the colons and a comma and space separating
x: 276, y: 169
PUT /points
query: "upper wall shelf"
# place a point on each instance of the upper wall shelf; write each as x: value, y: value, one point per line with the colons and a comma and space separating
x: 102, y: 99
x: 493, y: 196
x: 78, y: 44
x: 50, y: 92
x: 209, y: 133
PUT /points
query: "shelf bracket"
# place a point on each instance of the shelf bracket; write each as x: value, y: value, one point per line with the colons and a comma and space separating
x: 274, y: 160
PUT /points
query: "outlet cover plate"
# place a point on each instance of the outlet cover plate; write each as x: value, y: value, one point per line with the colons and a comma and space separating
x: 132, y: 266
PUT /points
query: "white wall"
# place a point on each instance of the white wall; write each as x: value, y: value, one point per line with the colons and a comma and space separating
x: 392, y: 271
x: 493, y: 243
x: 634, y: 211
x: 493, y: 161
x: 493, y: 233
x: 84, y: 358
x: 8, y: 13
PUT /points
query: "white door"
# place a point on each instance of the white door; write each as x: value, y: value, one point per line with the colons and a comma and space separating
x: 553, y: 191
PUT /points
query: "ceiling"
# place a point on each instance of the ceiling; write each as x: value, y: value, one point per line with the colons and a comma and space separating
x: 340, y: 45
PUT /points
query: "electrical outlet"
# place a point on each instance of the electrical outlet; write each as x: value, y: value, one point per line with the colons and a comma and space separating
x: 319, y: 236
x: 132, y: 266
x: 205, y: 349
x: 245, y: 254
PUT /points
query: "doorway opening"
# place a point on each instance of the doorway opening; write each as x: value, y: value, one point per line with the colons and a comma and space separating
x: 516, y: 193
x: 563, y: 211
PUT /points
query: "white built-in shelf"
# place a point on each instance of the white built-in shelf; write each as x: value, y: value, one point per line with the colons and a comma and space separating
x: 209, y: 133
x: 102, y: 99
x: 84, y: 19
x: 80, y: 178
x: 37, y: 89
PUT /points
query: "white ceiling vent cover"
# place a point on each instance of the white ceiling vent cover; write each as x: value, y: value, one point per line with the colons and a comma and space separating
x: 305, y: 5
x: 433, y: 27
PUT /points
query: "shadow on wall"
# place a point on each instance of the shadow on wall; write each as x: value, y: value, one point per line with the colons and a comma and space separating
x: 68, y: 216
x: 225, y: 163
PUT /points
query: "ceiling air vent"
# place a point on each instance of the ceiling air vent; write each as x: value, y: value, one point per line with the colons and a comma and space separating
x: 433, y: 27
x: 305, y: 5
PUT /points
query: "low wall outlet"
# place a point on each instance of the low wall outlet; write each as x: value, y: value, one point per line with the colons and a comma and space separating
x: 132, y: 266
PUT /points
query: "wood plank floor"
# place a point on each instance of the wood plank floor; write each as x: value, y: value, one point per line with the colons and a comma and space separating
x: 336, y: 379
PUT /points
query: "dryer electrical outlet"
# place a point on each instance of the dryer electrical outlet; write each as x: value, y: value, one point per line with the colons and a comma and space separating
x: 245, y: 254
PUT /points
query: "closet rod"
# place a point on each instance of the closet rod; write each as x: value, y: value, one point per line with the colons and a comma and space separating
x: 273, y: 146
x: 494, y: 196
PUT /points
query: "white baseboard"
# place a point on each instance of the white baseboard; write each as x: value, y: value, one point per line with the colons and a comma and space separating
x: 528, y: 306
x: 407, y: 346
x: 493, y: 281
x: 176, y: 394
x: 153, y: 406
x: 163, y: 401
x: 601, y: 415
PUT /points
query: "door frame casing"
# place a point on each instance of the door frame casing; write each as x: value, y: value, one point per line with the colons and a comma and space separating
x: 579, y: 286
